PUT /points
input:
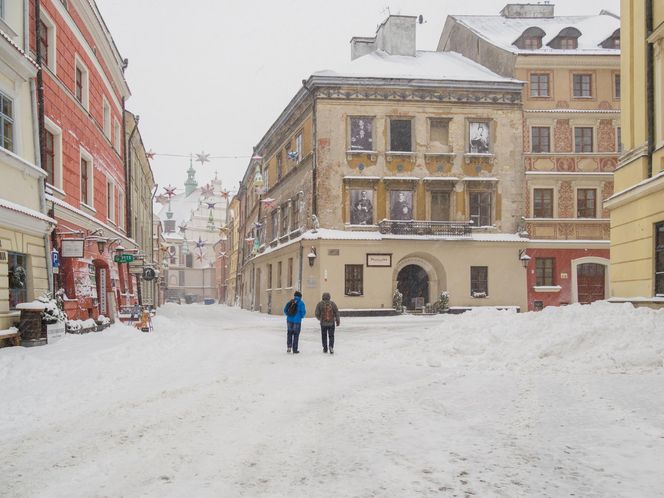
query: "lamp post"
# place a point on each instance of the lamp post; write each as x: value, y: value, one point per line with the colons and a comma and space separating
x: 524, y: 258
x: 312, y: 256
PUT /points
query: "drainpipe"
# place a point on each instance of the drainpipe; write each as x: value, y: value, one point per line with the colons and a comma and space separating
x: 300, y: 270
x: 314, y: 171
x: 650, y: 86
x: 38, y: 134
x: 128, y: 165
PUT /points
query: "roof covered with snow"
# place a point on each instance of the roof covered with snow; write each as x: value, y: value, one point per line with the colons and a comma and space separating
x: 504, y: 31
x: 439, y: 66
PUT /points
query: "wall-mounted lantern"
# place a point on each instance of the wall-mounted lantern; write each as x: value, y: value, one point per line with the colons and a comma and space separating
x: 312, y: 256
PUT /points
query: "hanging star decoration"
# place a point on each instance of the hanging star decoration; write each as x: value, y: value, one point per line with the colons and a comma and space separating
x: 150, y: 155
x: 199, y: 257
x: 268, y: 203
x: 249, y: 240
x: 203, y: 158
x: 183, y: 227
x: 211, y: 205
x: 222, y: 254
x: 256, y: 157
x: 170, y: 191
x: 224, y: 194
x: 200, y: 244
x: 207, y: 190
x: 293, y: 155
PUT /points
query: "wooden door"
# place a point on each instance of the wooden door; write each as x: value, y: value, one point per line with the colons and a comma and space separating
x: 591, y: 282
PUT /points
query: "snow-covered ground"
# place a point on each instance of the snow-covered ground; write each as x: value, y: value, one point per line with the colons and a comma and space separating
x: 565, y: 402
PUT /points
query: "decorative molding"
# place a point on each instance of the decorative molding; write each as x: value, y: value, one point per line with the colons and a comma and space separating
x: 453, y: 96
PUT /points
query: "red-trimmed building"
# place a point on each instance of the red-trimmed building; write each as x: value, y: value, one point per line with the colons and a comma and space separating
x: 82, y: 146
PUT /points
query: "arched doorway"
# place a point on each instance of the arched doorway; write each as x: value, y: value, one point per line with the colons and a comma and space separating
x: 413, y: 283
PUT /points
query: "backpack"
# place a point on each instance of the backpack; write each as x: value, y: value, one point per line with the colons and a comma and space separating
x: 292, y: 308
x: 327, y: 313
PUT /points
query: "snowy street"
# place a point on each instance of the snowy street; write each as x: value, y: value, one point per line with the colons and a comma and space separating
x: 567, y: 401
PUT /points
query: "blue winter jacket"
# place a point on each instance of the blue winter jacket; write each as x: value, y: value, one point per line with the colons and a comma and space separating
x: 301, y: 311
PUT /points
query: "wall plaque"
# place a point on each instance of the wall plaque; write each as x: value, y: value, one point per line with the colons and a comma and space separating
x: 379, y: 260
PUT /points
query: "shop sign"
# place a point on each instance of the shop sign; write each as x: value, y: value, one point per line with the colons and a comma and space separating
x: 72, y: 248
x: 103, y: 303
x: 379, y: 260
x: 123, y: 258
x: 136, y: 270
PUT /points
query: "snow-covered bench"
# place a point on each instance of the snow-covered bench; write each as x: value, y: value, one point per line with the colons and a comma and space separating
x: 11, y: 335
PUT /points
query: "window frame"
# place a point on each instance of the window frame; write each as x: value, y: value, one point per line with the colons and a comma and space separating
x: 284, y: 215
x: 581, y: 86
x: 84, y: 87
x: 542, y: 210
x: 441, y: 192
x: 545, y: 270
x: 479, y: 281
x: 279, y: 274
x: 539, y: 139
x: 585, y: 199
x: 110, y: 200
x: 580, y: 147
x: 617, y: 86
x: 7, y: 120
x: 121, y: 209
x: 49, y: 58
x: 481, y: 205
x: 298, y: 147
x: 489, y: 135
x: 446, y: 123
x: 56, y: 132
x: 354, y: 280
x: 658, y: 262
x: 269, y: 276
x: 535, y: 89
x: 372, y: 135
x: 84, y: 155
x: 106, y: 117
x: 289, y: 274
x: 24, y: 292
x: 411, y: 139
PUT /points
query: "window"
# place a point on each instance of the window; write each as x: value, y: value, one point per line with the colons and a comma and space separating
x: 295, y: 212
x: 361, y: 207
x: 582, y: 85
x: 619, y: 144
x: 279, y: 270
x: 298, y: 147
x: 479, y: 141
x: 539, y: 85
x: 81, y: 84
x: 480, y: 208
x: 659, y: 259
x: 543, y: 203
x: 532, y: 43
x: 289, y: 277
x: 116, y: 133
x: 284, y: 219
x: 49, y: 157
x: 567, y: 39
x: 18, y: 279
x: 121, y: 210
x: 567, y: 43
x: 479, y: 281
x: 353, y: 280
x: 401, y: 139
x: 274, y: 222
x: 541, y: 139
x: 107, y: 118
x: 43, y: 41
x: 530, y: 39
x: 544, y: 271
x: 440, y: 206
x: 616, y: 86
x: 189, y: 260
x: 87, y: 179
x: 361, y: 133
x: 583, y: 139
x: 586, y: 203
x: 439, y: 131
x: 280, y: 166
x: 7, y: 122
x: 269, y: 276
x: 110, y: 200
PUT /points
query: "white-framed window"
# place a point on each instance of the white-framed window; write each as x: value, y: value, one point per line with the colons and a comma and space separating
x: 87, y: 179
x: 121, y: 209
x: 47, y: 41
x: 298, y: 146
x: 82, y: 83
x: 53, y: 149
x: 110, y: 200
x: 401, y: 134
x: 6, y: 122
x: 106, y: 109
x: 116, y: 135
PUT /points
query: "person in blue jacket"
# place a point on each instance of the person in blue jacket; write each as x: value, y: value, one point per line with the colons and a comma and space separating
x: 295, y: 311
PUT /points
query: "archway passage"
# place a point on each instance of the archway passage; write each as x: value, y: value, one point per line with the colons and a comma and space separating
x: 413, y: 283
x: 591, y: 282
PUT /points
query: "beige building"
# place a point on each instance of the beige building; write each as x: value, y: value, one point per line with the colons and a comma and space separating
x: 24, y: 229
x: 571, y: 135
x: 400, y: 170
x: 637, y: 207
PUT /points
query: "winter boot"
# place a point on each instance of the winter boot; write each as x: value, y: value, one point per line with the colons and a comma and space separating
x: 331, y: 351
x: 288, y: 350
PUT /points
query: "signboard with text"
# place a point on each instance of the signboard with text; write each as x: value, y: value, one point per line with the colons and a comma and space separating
x: 72, y: 248
x: 123, y: 258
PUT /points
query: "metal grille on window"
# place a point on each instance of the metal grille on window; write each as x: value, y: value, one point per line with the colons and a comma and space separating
x: 479, y: 281
x: 353, y: 280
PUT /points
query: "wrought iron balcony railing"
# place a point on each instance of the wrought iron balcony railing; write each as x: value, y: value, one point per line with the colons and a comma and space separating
x: 416, y: 227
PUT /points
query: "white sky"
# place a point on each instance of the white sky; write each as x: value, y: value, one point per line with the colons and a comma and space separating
x: 213, y: 75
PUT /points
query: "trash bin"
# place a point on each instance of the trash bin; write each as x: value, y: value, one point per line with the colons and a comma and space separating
x: 208, y: 300
x: 189, y: 298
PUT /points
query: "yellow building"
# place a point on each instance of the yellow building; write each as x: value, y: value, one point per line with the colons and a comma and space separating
x: 24, y: 229
x: 637, y: 206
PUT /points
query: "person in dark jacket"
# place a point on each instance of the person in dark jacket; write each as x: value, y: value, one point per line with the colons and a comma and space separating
x: 327, y: 313
x: 294, y: 321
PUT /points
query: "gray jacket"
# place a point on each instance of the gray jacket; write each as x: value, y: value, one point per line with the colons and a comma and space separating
x: 335, y: 311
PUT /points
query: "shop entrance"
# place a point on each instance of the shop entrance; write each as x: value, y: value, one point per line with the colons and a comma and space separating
x: 413, y: 283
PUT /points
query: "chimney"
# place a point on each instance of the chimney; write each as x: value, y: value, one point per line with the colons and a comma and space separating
x: 528, y: 10
x: 396, y: 36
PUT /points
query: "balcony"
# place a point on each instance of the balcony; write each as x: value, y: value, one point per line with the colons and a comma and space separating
x: 415, y: 227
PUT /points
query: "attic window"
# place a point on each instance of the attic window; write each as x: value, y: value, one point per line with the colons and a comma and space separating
x: 531, y: 39
x: 567, y: 39
x: 612, y: 41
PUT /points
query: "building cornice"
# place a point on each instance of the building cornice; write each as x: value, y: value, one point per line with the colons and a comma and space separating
x: 632, y: 155
x: 17, y: 162
x: 635, y: 192
x: 16, y: 58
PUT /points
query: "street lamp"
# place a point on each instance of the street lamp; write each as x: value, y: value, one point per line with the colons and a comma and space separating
x: 524, y: 258
x: 312, y: 256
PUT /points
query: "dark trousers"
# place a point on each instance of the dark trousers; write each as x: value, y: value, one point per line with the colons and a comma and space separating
x: 327, y: 331
x: 293, y: 337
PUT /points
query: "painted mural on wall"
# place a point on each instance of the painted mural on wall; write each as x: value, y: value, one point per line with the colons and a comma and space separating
x: 401, y: 205
x: 479, y: 137
x: 361, y: 212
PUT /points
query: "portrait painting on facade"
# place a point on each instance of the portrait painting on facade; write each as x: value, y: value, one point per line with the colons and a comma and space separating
x: 361, y: 135
x: 479, y: 138
x: 401, y: 205
x: 361, y: 207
